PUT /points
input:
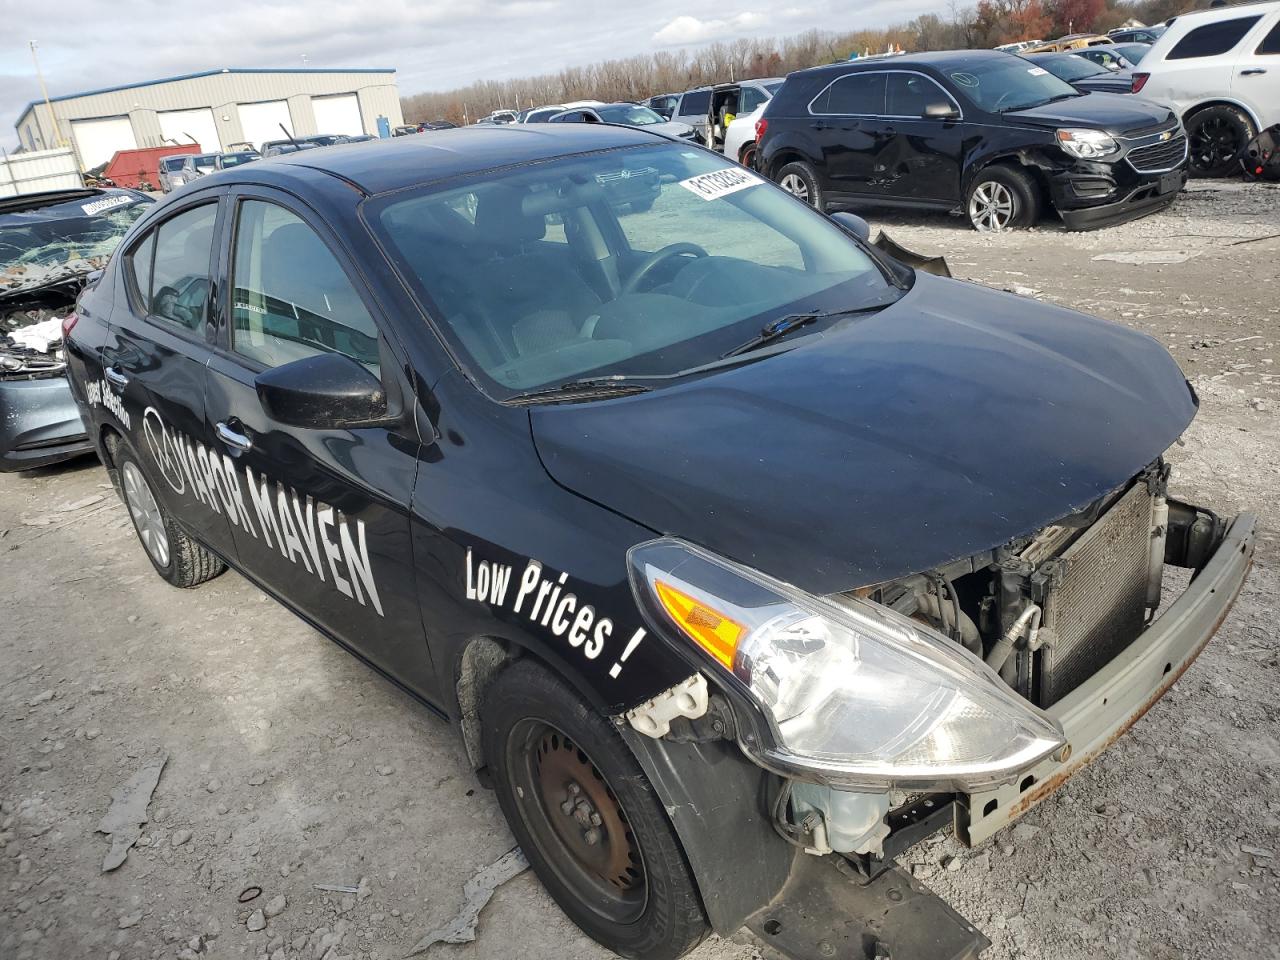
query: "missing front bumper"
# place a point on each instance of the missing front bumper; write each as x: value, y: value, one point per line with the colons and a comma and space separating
x: 1098, y: 712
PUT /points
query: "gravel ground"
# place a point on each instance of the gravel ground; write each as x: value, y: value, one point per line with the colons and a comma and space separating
x: 290, y: 765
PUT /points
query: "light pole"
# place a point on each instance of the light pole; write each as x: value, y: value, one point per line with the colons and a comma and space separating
x: 57, y: 132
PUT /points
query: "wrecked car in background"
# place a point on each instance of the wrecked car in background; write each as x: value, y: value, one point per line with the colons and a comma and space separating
x: 743, y: 555
x: 49, y: 244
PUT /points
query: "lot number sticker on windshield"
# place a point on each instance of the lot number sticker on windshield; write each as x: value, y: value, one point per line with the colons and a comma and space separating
x: 1037, y: 71
x: 712, y: 186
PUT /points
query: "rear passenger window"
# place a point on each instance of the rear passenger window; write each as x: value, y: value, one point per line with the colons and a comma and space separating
x: 695, y: 104
x: 178, y: 288
x: 1212, y: 39
x: 859, y: 94
x: 291, y: 297
x: 1271, y: 42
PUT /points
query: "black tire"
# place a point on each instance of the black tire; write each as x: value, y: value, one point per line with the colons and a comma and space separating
x: 182, y: 561
x: 800, y: 180
x: 1216, y: 138
x: 1002, y: 198
x: 546, y: 748
x: 747, y: 156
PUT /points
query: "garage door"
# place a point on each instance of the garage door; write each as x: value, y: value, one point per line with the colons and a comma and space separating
x: 190, y: 126
x: 97, y: 140
x: 261, y: 121
x: 340, y: 114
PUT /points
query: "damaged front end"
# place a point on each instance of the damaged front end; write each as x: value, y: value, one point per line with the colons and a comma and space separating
x: 869, y: 752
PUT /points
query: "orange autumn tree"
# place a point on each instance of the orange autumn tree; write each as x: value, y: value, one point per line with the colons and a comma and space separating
x: 1006, y: 21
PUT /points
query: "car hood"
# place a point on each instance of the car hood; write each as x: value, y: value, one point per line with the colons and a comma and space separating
x: 1113, y: 112
x: 947, y: 424
x: 671, y: 128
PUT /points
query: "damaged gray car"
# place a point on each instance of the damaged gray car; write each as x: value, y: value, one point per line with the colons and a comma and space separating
x: 50, y: 244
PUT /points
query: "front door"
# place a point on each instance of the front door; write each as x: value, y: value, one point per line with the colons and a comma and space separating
x: 328, y: 528
x: 918, y: 158
x: 1256, y: 78
x: 158, y: 344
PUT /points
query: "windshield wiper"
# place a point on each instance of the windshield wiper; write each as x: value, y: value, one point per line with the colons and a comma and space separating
x: 592, y: 388
x: 794, y: 321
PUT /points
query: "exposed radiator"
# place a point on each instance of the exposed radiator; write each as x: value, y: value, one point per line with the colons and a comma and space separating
x: 1099, y: 604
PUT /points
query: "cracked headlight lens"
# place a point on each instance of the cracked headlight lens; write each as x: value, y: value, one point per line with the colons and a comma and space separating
x: 853, y: 693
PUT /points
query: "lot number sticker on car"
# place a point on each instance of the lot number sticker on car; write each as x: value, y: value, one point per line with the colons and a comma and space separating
x: 712, y: 186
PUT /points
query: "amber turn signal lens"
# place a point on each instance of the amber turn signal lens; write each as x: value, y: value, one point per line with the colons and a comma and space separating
x: 713, y: 631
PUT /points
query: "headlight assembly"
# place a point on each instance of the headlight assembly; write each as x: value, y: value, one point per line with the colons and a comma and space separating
x: 853, y: 693
x: 1088, y: 144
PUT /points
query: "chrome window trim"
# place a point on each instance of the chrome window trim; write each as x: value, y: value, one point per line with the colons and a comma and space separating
x: 883, y: 116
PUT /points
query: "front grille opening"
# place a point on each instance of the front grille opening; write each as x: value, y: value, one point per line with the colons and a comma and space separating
x: 1159, y: 157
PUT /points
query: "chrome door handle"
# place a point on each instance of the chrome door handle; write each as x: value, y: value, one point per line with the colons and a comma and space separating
x: 233, y: 439
x: 1253, y: 71
x: 115, y: 377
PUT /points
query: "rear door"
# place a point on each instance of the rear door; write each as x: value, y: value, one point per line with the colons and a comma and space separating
x: 158, y: 343
x: 1256, y: 81
x: 1200, y: 64
x: 329, y: 521
x: 918, y: 158
x: 847, y: 119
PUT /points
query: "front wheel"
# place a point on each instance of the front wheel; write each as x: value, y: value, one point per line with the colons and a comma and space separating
x: 1002, y: 198
x: 801, y: 181
x: 1216, y: 137
x: 587, y: 818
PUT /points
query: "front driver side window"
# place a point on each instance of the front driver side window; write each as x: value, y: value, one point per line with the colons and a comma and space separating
x: 291, y: 298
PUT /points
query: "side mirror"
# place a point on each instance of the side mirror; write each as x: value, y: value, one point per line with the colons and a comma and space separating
x: 854, y: 224
x: 941, y: 110
x: 329, y: 391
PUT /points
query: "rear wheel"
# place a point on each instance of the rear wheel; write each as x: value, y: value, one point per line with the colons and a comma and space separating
x: 747, y: 156
x: 801, y: 181
x: 587, y: 818
x: 177, y: 557
x: 1002, y: 198
x: 1216, y: 137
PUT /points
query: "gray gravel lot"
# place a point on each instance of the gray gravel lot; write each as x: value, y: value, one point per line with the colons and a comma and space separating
x: 289, y: 764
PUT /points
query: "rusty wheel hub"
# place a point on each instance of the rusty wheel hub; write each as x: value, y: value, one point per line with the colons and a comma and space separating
x: 585, y: 814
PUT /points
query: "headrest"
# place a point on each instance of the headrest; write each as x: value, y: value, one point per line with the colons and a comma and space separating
x: 501, y: 217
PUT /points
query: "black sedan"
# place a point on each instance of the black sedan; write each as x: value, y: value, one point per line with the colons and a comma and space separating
x: 734, y: 549
x: 983, y: 133
x: 1081, y: 73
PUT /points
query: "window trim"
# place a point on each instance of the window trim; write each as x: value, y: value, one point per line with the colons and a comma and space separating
x: 140, y: 308
x: 885, y: 116
x: 224, y: 345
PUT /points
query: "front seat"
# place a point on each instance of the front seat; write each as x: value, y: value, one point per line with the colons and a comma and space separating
x: 534, y: 297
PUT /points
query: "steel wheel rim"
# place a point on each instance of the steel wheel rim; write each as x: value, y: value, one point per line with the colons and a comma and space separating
x: 605, y: 874
x: 145, y: 513
x: 992, y: 206
x: 794, y: 184
x: 1215, y: 142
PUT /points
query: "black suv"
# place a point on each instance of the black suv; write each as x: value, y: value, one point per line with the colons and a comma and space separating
x: 984, y: 132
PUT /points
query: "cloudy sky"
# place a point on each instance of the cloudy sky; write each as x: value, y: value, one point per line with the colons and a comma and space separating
x: 434, y: 45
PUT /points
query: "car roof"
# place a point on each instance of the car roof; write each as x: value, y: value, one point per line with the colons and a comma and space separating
x: 442, y: 154
x: 938, y: 59
x: 1229, y: 12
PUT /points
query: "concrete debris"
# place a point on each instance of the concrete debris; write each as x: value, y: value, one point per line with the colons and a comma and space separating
x: 476, y: 893
x: 257, y: 921
x: 275, y: 906
x: 128, y: 812
x: 337, y: 887
x: 1139, y: 257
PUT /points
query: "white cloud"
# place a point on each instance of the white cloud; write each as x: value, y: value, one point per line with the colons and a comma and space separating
x: 685, y: 29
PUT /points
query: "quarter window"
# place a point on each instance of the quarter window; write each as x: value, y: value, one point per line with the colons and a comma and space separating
x: 1271, y: 42
x: 859, y: 94
x: 291, y: 298
x: 1212, y: 39
x: 178, y: 285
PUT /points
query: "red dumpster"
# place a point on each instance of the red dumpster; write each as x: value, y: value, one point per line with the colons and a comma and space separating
x: 140, y: 169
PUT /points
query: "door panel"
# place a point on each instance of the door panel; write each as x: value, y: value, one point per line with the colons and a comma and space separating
x: 917, y: 158
x: 1256, y: 77
x: 847, y: 124
x: 154, y: 361
x: 328, y: 526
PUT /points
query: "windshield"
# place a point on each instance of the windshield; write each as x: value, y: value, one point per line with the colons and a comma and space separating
x: 631, y: 114
x: 79, y: 241
x: 206, y: 162
x: 646, y: 261
x: 235, y: 159
x: 1072, y: 68
x: 1002, y: 84
x: 172, y: 163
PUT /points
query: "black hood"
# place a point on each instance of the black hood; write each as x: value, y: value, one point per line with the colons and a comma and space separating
x: 949, y: 423
x: 1112, y: 112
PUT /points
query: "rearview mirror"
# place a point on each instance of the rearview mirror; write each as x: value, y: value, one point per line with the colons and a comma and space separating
x: 854, y: 224
x: 329, y: 391
x: 941, y: 110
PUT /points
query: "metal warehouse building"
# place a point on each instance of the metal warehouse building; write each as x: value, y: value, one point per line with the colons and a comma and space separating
x: 215, y: 109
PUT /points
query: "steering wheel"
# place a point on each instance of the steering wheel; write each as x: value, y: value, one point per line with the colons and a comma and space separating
x: 666, y: 253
